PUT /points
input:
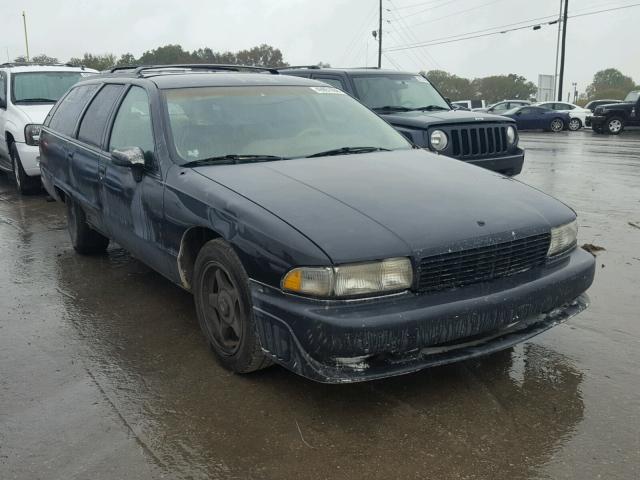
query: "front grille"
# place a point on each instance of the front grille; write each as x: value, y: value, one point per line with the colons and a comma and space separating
x: 478, y: 141
x: 482, y: 264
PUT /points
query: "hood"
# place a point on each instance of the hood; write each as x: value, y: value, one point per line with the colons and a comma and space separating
x: 35, y: 113
x: 427, y: 119
x: 385, y: 204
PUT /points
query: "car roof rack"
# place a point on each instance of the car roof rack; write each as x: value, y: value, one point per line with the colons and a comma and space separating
x: 141, y: 70
x: 32, y: 64
x: 308, y: 67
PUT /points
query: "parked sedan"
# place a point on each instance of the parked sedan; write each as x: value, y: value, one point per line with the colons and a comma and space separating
x: 538, y: 118
x: 311, y: 233
x: 500, y: 107
x: 577, y: 114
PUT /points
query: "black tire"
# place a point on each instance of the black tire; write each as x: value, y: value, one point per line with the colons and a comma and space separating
x: 556, y: 125
x: 614, y: 125
x: 575, y: 124
x: 223, y: 306
x: 25, y: 184
x: 84, y: 239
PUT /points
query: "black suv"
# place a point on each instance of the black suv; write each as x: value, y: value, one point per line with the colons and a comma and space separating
x: 614, y: 117
x: 415, y: 107
x: 310, y: 232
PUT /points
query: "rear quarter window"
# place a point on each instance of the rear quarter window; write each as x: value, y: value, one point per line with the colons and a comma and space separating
x: 95, y: 118
x: 66, y: 115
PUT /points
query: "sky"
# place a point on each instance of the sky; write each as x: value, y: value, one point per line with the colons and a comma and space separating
x: 338, y: 32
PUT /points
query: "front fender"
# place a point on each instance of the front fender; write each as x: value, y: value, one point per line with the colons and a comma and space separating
x: 267, y: 246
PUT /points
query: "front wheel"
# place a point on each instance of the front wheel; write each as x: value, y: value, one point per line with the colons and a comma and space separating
x: 223, y: 306
x: 557, y: 125
x: 575, y: 124
x: 84, y: 239
x: 615, y: 125
x: 25, y: 184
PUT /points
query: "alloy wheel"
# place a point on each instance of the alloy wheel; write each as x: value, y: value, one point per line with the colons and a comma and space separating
x: 615, y: 125
x: 557, y: 125
x: 222, y: 308
x: 574, y: 124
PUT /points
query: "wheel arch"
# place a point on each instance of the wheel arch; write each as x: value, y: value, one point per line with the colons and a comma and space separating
x: 193, y: 239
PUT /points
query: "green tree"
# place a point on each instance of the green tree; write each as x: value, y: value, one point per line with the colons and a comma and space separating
x: 452, y: 86
x: 610, y: 83
x: 500, y: 87
x: 263, y: 55
x: 167, y: 55
x: 42, y: 58
x: 20, y: 59
x: 98, y: 62
x: 126, y: 59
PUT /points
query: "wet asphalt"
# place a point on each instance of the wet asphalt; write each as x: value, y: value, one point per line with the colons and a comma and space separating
x: 104, y: 373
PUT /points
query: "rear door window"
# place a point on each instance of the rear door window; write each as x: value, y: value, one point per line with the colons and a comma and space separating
x: 66, y: 115
x: 95, y: 118
x: 333, y: 81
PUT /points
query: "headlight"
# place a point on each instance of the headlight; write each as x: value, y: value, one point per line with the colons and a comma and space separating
x: 511, y: 135
x: 439, y: 140
x: 32, y: 134
x: 391, y: 275
x: 563, y: 238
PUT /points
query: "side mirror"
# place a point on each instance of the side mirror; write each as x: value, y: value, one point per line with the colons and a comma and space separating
x: 130, y: 157
x: 519, y: 112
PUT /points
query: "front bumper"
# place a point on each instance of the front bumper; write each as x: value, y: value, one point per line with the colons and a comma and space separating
x: 510, y: 165
x: 596, y: 121
x: 29, y: 158
x: 351, y: 341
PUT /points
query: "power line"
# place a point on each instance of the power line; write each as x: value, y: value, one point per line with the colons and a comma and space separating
x: 428, y: 9
x: 484, y: 30
x: 421, y: 4
x: 459, y: 12
x: 410, y: 37
x: 454, y: 38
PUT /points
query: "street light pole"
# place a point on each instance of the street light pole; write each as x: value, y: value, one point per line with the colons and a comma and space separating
x: 26, y: 39
x: 380, y: 37
x: 555, y: 74
x: 564, y: 42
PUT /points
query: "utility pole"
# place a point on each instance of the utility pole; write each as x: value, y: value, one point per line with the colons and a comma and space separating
x: 555, y: 74
x: 564, y: 42
x: 26, y: 39
x: 380, y: 38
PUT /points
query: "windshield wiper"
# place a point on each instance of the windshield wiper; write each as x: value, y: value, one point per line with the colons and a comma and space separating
x: 347, y: 151
x: 430, y: 107
x: 231, y: 159
x: 35, y: 100
x: 392, y: 108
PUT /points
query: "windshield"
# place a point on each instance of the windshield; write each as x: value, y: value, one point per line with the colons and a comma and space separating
x: 405, y: 91
x: 42, y: 87
x: 632, y: 97
x: 511, y: 111
x: 279, y: 121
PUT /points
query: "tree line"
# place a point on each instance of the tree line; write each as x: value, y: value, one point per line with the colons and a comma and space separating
x: 263, y: 55
x: 607, y: 84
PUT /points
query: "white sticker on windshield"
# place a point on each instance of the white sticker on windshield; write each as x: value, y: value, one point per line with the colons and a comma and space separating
x: 333, y: 90
x: 420, y: 78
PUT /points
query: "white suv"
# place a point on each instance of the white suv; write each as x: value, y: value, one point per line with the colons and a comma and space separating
x: 27, y: 93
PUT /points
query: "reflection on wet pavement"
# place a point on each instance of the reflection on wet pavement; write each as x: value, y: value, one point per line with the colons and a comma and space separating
x: 104, y: 372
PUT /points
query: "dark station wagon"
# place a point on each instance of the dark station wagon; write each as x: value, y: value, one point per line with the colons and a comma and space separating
x: 310, y: 232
